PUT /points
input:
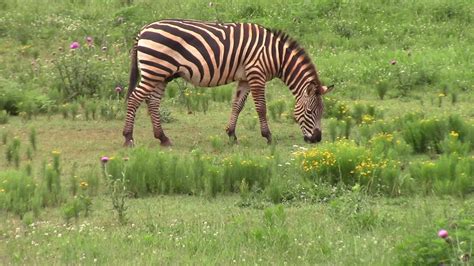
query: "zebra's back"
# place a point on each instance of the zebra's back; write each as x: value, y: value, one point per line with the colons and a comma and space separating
x: 203, y: 53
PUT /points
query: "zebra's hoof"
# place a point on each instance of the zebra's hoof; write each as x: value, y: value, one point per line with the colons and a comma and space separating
x: 128, y: 143
x: 166, y: 143
x: 233, y: 140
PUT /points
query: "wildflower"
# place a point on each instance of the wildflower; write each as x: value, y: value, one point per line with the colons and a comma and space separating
x: 55, y: 152
x: 2, y: 190
x: 441, y: 95
x: 89, y: 40
x: 104, y: 48
x: 118, y: 89
x: 454, y: 134
x: 443, y: 233
x: 83, y: 184
x: 104, y: 159
x: 74, y: 45
x: 393, y: 62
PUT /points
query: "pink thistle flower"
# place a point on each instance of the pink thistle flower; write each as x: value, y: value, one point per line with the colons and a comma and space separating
x: 89, y: 40
x: 118, y: 89
x: 74, y: 45
x: 104, y: 159
x: 443, y: 233
x: 393, y: 62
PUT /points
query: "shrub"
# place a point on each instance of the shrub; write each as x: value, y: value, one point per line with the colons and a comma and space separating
x: 276, y: 109
x: 82, y: 71
x: 382, y: 88
x: 13, y: 152
x: 425, y: 135
x: 347, y: 163
x: 450, y: 247
x: 450, y: 174
x: 51, y: 189
x: 157, y: 172
x: 14, y: 99
x: 3, y: 117
x: 18, y: 193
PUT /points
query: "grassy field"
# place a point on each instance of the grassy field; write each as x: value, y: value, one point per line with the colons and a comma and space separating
x: 396, y: 164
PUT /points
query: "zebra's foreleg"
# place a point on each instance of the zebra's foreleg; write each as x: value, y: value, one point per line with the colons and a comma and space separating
x: 133, y: 102
x: 258, y: 94
x: 153, y: 103
x: 238, y: 103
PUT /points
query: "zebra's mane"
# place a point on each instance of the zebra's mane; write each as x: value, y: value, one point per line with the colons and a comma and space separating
x: 294, y: 45
x: 285, y: 38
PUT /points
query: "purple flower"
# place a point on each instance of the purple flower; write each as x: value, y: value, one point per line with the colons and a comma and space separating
x: 118, y: 89
x: 443, y: 233
x: 74, y: 45
x: 89, y: 40
x: 393, y: 62
x: 104, y: 159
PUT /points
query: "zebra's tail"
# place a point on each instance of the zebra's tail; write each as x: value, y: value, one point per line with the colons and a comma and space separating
x: 133, y: 69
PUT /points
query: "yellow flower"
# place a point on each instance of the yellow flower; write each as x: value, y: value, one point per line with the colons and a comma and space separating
x: 83, y: 184
x: 55, y: 152
x: 2, y: 190
x: 441, y: 95
x: 454, y: 134
x: 367, y: 119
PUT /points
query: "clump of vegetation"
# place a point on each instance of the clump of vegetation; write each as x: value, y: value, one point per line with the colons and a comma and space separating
x: 450, y: 174
x: 18, y: 193
x: 452, y: 245
x: 3, y: 117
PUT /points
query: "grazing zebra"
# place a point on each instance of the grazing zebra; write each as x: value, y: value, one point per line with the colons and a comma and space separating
x: 212, y: 54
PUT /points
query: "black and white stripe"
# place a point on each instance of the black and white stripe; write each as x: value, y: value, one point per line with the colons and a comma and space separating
x: 212, y: 54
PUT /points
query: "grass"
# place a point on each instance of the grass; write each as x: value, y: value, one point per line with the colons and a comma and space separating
x: 416, y: 50
x: 186, y: 230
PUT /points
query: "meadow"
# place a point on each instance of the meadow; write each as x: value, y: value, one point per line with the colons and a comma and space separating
x: 391, y: 183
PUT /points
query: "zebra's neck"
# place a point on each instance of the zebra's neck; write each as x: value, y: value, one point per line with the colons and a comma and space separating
x: 296, y: 69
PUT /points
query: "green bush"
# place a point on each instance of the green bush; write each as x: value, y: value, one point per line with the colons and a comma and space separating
x: 157, y: 172
x: 425, y: 135
x: 276, y: 109
x: 347, y: 163
x: 454, y: 247
x: 18, y: 193
x: 15, y: 99
x: 83, y: 71
x: 450, y: 174
x: 3, y: 117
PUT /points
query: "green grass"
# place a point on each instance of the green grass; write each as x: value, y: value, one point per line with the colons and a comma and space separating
x: 188, y: 230
x: 353, y: 44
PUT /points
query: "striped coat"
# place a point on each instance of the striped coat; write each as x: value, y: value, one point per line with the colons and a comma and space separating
x: 211, y: 54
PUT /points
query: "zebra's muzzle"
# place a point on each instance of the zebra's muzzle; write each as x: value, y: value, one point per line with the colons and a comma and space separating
x: 313, y: 138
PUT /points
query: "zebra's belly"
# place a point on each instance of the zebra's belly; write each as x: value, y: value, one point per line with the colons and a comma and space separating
x: 213, y: 81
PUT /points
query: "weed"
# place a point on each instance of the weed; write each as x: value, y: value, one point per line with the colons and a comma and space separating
x: 33, y: 138
x: 3, y: 117
x: 17, y: 192
x: 13, y: 152
x: 382, y: 88
x: 276, y: 109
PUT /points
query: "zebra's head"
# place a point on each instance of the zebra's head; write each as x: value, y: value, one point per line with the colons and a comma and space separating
x: 309, y: 111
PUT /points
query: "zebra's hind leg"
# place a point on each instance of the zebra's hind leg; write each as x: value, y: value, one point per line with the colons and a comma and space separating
x: 133, y: 102
x: 237, y: 105
x: 153, y: 103
x: 258, y: 93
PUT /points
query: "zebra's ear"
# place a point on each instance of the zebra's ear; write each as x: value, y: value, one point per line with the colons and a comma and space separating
x: 324, y: 89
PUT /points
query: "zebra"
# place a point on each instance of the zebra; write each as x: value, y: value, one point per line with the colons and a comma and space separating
x: 208, y: 54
